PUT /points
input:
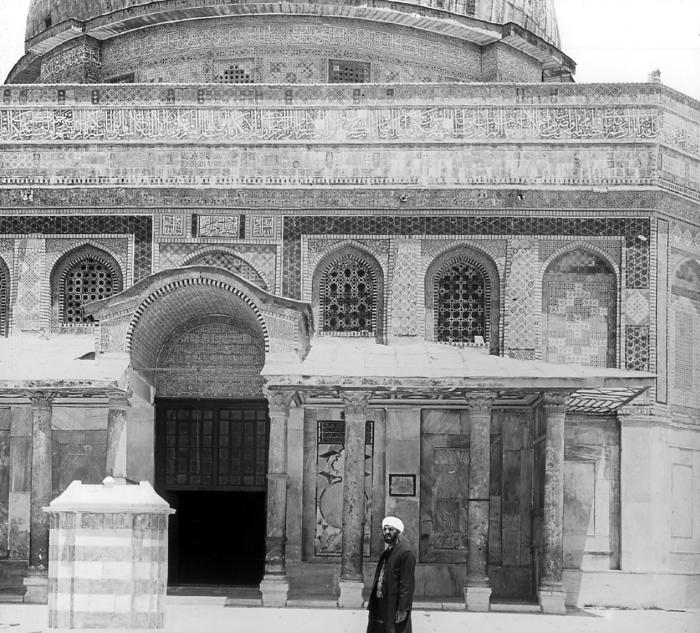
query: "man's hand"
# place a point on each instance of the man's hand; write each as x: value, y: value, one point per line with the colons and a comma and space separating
x: 400, y: 616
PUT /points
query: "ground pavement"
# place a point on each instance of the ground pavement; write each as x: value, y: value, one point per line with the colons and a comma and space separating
x: 215, y: 618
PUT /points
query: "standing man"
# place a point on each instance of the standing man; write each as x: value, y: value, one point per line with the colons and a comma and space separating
x: 394, y: 581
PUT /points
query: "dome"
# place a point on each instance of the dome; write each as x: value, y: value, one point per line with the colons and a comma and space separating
x: 535, y: 16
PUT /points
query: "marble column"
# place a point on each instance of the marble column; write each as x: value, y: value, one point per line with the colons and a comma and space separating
x: 551, y: 589
x: 351, y: 576
x: 116, y: 436
x: 477, y: 591
x: 36, y: 582
x: 274, y: 586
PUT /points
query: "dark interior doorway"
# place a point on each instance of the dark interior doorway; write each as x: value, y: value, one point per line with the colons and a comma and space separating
x: 217, y: 538
x: 211, y: 467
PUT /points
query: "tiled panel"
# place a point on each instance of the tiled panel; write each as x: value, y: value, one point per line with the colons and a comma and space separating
x: 295, y: 227
x: 139, y: 226
x: 637, y: 347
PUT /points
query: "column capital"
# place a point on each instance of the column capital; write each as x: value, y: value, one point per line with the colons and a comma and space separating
x: 119, y: 399
x: 356, y: 402
x: 479, y: 402
x: 41, y: 399
x: 278, y: 400
x: 555, y: 402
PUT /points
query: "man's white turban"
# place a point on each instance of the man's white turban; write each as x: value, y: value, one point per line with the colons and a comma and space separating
x: 394, y: 522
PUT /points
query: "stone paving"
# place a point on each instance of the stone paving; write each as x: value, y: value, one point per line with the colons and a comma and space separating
x: 213, y: 617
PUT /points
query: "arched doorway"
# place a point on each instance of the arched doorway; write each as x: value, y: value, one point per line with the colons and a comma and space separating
x: 202, y: 345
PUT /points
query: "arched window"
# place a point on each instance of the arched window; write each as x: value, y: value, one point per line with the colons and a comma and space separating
x: 229, y: 261
x: 81, y: 277
x: 4, y: 299
x: 579, y: 307
x: 684, y: 331
x: 348, y: 287
x: 462, y: 299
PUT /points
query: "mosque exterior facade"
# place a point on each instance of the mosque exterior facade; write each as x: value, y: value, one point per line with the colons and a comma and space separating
x: 303, y: 265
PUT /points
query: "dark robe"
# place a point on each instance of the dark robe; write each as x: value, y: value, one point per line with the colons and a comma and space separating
x: 397, y: 591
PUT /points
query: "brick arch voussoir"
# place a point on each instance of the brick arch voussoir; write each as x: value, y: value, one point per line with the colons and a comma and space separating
x: 188, y: 282
x: 64, y: 263
x: 583, y: 246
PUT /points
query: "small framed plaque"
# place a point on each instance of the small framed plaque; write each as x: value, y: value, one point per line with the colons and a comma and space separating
x: 402, y: 485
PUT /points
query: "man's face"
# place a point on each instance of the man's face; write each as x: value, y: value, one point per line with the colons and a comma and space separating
x: 390, y: 534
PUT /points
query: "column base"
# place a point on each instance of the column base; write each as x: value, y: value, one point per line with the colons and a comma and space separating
x: 37, y: 588
x: 274, y: 590
x: 552, y: 600
x: 477, y: 597
x: 350, y: 594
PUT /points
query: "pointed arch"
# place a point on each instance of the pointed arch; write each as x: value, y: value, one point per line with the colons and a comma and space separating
x: 82, y: 275
x: 348, y: 293
x: 462, y: 298
x: 579, y: 308
x: 227, y: 259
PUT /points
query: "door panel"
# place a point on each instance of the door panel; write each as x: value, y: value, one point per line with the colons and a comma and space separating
x: 211, y: 445
x: 444, y: 493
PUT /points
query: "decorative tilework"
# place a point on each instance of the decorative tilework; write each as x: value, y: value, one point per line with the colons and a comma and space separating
x: 611, y: 248
x: 313, y: 124
x: 637, y: 347
x: 296, y: 226
x: 684, y: 365
x: 30, y: 256
x: 172, y: 225
x: 262, y: 226
x: 139, y: 226
x: 261, y: 257
x: 522, y: 309
x: 685, y: 236
x: 218, y: 226
x: 637, y: 268
x: 579, y: 323
x: 636, y: 307
x: 230, y: 262
x: 116, y: 247
x: 406, y: 290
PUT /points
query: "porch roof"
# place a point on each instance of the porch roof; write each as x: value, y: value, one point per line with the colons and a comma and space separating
x: 61, y: 362
x: 445, y: 372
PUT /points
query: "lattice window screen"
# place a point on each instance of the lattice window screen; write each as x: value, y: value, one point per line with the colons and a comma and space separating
x: 351, y: 72
x: 462, y: 300
x: 580, y: 311
x: 348, y: 297
x: 87, y: 279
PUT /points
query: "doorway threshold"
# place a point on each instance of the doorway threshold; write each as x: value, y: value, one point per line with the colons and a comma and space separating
x: 223, y: 595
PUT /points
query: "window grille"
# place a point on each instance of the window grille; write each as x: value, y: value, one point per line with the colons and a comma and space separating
x: 348, y: 292
x: 236, y: 73
x: 350, y: 72
x: 461, y: 298
x: 80, y: 278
